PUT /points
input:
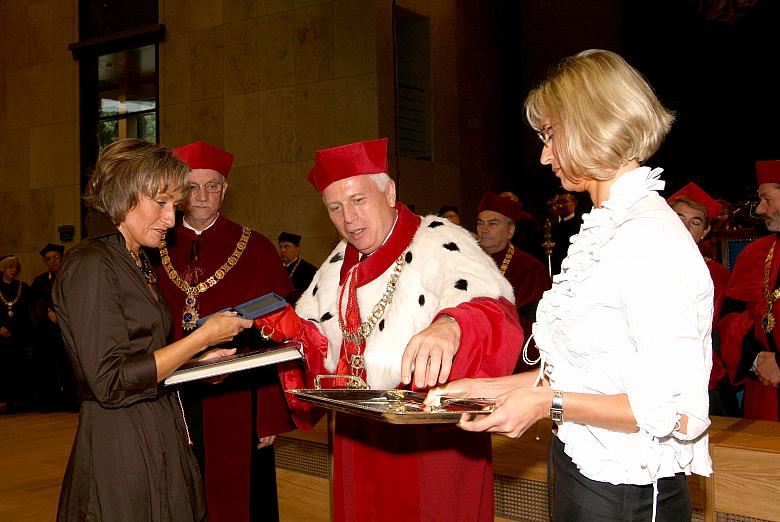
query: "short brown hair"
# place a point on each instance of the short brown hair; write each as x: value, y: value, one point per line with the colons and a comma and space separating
x: 128, y: 168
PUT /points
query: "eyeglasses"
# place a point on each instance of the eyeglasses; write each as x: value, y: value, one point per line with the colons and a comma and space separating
x: 546, y: 135
x: 211, y: 187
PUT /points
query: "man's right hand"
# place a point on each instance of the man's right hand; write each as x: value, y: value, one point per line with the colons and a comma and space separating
x: 280, y: 325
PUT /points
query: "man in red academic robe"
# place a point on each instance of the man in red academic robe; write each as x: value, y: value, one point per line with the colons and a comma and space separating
x: 403, y: 302
x: 209, y: 263
x: 496, y: 219
x: 750, y: 339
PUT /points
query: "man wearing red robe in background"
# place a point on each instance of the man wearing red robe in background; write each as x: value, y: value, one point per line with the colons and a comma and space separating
x: 749, y: 340
x: 209, y: 263
x: 496, y: 219
x: 439, y: 310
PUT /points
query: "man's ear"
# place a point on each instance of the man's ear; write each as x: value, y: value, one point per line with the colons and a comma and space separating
x: 390, y: 193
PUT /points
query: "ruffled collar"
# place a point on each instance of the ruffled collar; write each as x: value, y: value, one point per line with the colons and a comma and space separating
x: 598, y: 228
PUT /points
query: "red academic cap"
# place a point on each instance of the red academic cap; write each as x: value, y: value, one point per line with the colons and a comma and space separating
x: 201, y: 155
x: 768, y: 171
x: 503, y: 205
x: 696, y: 194
x: 346, y: 161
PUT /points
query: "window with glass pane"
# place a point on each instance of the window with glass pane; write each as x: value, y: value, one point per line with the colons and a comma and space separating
x: 127, y: 93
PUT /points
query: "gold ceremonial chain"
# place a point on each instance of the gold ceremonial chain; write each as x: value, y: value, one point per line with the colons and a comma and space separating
x: 190, y: 314
x: 507, y: 258
x: 768, y: 322
x: 357, y: 362
x: 11, y: 304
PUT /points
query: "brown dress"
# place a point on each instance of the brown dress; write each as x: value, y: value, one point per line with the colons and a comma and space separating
x: 130, y: 460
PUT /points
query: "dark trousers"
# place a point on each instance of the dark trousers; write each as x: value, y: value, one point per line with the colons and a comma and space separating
x: 578, y: 498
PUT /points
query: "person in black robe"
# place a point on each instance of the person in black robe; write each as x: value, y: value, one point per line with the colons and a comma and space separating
x: 301, y: 272
x: 16, y: 376
x: 56, y: 382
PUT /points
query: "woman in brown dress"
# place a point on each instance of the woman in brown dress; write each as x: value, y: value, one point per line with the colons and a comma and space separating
x: 130, y: 460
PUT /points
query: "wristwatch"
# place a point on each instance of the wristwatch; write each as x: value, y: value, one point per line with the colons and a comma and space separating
x: 556, y: 410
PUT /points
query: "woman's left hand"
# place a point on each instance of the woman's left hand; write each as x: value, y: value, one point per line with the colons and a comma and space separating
x: 514, y: 412
x: 213, y: 354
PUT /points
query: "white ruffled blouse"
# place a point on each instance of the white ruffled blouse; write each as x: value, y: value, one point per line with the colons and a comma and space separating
x: 631, y: 312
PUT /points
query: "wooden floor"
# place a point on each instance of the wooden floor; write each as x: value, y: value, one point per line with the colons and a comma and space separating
x: 34, y: 451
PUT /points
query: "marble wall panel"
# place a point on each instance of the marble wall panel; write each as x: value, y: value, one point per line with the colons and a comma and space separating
x: 266, y: 7
x: 276, y: 48
x: 198, y: 120
x: 175, y: 72
x: 241, y: 57
x: 242, y: 128
x: 354, y: 37
x: 17, y: 102
x: 41, y: 24
x: 238, y: 10
x: 52, y: 155
x: 445, y: 126
x: 243, y: 201
x: 3, y: 101
x: 64, y: 83
x: 28, y: 217
x: 277, y: 190
x: 17, y: 160
x: 175, y: 14
x: 205, y: 13
x: 306, y: 3
x: 207, y: 63
x: 277, y: 141
x: 314, y: 43
x: 355, y: 111
x: 64, y: 27
x: 314, y: 117
x: 41, y: 93
x: 17, y: 35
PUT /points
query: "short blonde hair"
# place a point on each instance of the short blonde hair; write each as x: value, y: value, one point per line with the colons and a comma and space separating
x: 9, y: 262
x: 603, y: 114
x: 127, y: 168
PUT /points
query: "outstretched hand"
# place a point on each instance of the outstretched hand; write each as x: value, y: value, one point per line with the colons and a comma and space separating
x: 430, y: 353
x: 514, y: 412
x: 223, y: 326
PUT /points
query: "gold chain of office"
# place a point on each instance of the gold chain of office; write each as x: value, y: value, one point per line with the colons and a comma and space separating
x: 10, y: 304
x: 190, y: 314
x: 768, y: 322
x: 507, y: 258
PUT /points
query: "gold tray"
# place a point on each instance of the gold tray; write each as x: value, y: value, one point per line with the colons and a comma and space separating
x: 394, y: 406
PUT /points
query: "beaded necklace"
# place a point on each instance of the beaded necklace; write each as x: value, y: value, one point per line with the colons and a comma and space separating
x: 768, y: 322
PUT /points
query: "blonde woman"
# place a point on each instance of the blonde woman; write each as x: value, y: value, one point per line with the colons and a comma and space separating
x: 624, y: 332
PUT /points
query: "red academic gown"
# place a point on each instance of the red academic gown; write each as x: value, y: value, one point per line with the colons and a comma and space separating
x: 228, y: 434
x: 747, y: 285
x: 384, y: 472
x: 720, y: 279
x: 529, y: 279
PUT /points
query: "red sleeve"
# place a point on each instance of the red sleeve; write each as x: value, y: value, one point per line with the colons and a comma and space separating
x: 491, y: 338
x: 297, y: 374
